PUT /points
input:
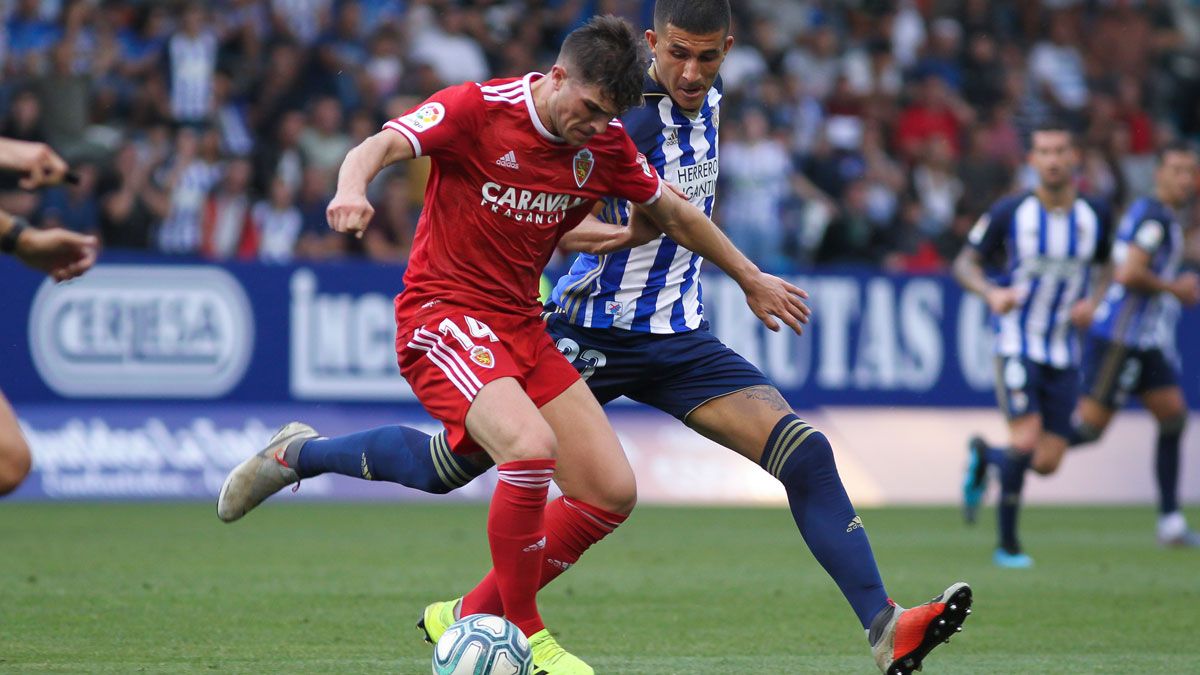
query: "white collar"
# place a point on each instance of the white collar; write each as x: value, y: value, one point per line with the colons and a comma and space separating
x: 533, y: 115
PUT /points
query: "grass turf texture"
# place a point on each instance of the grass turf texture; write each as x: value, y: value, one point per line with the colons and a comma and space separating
x: 305, y: 588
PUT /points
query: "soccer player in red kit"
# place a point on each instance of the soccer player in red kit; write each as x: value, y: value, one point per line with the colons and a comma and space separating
x: 516, y: 164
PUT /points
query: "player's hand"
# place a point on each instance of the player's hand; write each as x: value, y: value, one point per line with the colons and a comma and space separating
x: 770, y: 297
x: 349, y: 213
x: 40, y: 164
x: 640, y: 230
x: 62, y: 254
x: 676, y: 189
x: 1001, y: 300
x: 1186, y: 287
x: 1082, y: 313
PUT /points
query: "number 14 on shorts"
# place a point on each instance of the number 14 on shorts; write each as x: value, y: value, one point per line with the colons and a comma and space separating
x: 479, y: 354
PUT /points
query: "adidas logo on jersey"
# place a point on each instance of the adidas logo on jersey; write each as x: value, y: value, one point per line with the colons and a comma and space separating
x: 509, y: 161
x: 673, y: 139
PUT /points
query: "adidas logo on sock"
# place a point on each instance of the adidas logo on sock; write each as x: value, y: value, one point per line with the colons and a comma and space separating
x: 539, y: 545
x: 854, y: 524
x: 509, y: 160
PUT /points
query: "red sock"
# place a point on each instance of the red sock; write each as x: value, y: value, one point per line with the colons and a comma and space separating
x: 517, y: 535
x: 571, y: 527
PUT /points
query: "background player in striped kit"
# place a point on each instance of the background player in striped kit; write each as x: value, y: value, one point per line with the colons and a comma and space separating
x: 1129, y: 346
x: 1044, y: 245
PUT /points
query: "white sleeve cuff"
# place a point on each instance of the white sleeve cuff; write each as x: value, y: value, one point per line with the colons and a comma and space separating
x: 407, y: 133
x: 657, y: 194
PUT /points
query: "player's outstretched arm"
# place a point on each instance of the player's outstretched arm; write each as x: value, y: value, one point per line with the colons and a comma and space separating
x: 597, y: 237
x: 769, y: 297
x: 349, y: 211
x: 40, y: 164
x: 60, y: 253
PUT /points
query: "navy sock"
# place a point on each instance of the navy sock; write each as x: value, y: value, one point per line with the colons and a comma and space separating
x: 996, y: 456
x: 1082, y: 434
x: 1166, y: 468
x: 1075, y: 436
x: 1012, y: 482
x: 802, y: 459
x: 394, y: 454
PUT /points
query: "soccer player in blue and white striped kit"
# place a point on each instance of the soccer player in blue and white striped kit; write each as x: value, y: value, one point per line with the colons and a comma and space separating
x: 1128, y: 349
x: 632, y: 322
x: 1051, y: 247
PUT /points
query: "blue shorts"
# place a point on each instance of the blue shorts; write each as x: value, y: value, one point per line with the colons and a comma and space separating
x: 1112, y: 371
x: 1025, y: 387
x: 675, y: 373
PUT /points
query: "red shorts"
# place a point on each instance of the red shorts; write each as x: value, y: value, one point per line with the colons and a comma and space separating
x: 448, y: 356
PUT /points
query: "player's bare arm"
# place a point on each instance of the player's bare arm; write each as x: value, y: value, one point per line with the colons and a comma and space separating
x: 598, y: 237
x: 349, y: 211
x: 1135, y: 274
x: 769, y: 296
x: 60, y: 253
x: 40, y: 164
x: 1084, y: 311
x: 968, y: 271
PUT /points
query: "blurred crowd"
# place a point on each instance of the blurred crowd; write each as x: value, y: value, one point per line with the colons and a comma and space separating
x: 857, y: 131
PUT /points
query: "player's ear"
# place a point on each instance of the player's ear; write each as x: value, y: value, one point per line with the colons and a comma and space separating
x: 558, y: 75
x: 651, y: 39
x: 728, y: 43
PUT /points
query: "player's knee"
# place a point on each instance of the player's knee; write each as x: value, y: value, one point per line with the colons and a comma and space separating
x: 1024, y: 443
x: 818, y: 451
x: 1044, y: 466
x: 15, y: 463
x: 808, y: 454
x: 535, y: 442
x: 619, y: 495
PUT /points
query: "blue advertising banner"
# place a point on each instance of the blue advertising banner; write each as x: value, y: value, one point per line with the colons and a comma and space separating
x: 159, y: 331
x: 152, y: 379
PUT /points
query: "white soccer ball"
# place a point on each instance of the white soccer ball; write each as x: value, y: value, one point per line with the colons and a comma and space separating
x: 482, y: 644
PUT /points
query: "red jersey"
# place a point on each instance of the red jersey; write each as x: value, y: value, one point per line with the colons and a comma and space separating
x: 502, y: 191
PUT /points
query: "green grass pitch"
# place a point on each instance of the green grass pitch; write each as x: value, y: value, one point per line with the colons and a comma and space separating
x: 307, y: 588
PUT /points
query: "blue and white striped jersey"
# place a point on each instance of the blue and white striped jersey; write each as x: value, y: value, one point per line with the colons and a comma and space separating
x: 1143, y: 320
x: 654, y: 288
x: 180, y: 230
x: 193, y: 65
x: 1047, y: 256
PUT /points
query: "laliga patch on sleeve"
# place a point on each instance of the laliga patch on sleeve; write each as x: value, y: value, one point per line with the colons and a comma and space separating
x: 1150, y: 235
x: 425, y: 118
x: 641, y: 160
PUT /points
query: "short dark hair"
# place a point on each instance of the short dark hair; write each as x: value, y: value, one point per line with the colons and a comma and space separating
x: 605, y: 51
x: 1051, y: 125
x: 700, y: 17
x: 1160, y: 155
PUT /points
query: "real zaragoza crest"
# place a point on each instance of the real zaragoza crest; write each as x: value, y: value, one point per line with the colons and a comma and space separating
x: 584, y: 163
